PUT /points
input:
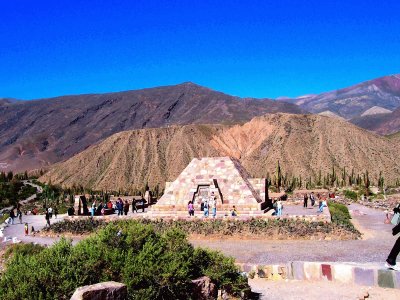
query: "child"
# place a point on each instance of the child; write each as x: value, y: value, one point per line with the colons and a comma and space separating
x: 26, y: 228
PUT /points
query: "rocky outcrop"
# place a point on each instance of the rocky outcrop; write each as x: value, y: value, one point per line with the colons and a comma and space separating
x: 110, y: 290
x: 204, y: 289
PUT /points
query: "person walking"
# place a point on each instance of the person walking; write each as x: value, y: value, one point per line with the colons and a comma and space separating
x: 312, y: 198
x: 50, y: 210
x: 213, y: 205
x: 19, y: 214
x: 26, y: 228
x: 126, y: 207
x: 143, y: 204
x: 305, y: 201
x: 279, y: 206
x: 134, y: 208
x: 190, y: 209
x: 47, y: 217
x: 120, y: 206
x: 391, y: 259
x: 206, y: 212
x: 12, y: 215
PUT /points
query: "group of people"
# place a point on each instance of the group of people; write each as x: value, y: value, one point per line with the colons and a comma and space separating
x: 313, y: 199
x: 278, y: 206
x: 207, y: 204
x: 120, y: 206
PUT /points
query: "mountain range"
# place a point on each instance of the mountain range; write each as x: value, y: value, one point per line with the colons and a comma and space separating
x: 35, y: 134
x: 39, y: 133
x: 383, y: 94
x: 303, y: 144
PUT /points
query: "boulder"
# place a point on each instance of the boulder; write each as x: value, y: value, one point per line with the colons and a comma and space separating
x: 204, y: 289
x: 109, y: 290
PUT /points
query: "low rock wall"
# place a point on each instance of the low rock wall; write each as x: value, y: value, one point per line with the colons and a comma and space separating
x: 358, y: 274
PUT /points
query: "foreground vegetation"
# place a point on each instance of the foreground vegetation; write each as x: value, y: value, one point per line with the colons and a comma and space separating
x: 340, y: 216
x: 271, y: 228
x: 153, y: 264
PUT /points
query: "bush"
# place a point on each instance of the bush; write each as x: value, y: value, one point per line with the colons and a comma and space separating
x: 340, y: 215
x: 153, y: 265
x: 284, y: 228
x: 350, y: 195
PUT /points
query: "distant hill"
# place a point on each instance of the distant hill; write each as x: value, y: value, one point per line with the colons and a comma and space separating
x: 354, y: 101
x: 38, y: 133
x: 384, y: 124
x: 304, y: 144
x: 5, y: 101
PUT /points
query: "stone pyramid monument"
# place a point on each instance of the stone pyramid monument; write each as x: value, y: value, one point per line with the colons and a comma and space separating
x: 222, y: 176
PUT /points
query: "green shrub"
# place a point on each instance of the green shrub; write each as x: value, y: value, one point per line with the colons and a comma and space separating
x: 340, y: 215
x: 152, y: 264
x: 350, y: 195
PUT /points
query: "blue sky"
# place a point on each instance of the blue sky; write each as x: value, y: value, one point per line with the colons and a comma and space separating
x: 243, y: 48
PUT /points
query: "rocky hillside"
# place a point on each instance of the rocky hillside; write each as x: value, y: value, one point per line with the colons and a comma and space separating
x: 354, y: 101
x: 37, y: 133
x: 304, y: 144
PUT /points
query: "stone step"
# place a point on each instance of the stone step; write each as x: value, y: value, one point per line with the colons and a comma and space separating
x: 370, y: 274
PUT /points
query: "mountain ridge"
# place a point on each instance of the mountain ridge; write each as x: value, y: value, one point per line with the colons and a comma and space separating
x: 304, y: 145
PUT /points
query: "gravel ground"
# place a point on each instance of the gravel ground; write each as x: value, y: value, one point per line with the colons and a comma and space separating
x: 374, y: 247
x: 305, y: 290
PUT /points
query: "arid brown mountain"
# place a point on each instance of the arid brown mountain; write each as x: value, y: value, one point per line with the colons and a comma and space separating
x: 353, y: 101
x: 304, y: 144
x: 384, y: 124
x: 37, y: 133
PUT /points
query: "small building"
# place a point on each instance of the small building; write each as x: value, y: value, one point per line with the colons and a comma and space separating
x: 224, y: 177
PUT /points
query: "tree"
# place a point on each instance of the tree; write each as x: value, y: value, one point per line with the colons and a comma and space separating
x: 278, y: 176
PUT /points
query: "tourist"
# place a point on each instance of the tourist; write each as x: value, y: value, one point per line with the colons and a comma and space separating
x: 305, y: 201
x: 234, y: 212
x: 312, y: 198
x: 213, y: 205
x: 279, y: 207
x: 391, y: 260
x: 12, y: 216
x: 143, y: 204
x: 55, y: 212
x: 205, y: 205
x: 120, y: 207
x: 190, y: 209
x: 93, y: 208
x: 134, y: 208
x: 26, y: 228
x: 71, y: 211
x: 322, y: 204
x: 47, y: 217
x: 19, y: 214
x: 126, y: 207
x: 50, y: 210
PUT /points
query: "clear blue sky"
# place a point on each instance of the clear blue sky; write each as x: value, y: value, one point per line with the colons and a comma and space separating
x: 244, y: 48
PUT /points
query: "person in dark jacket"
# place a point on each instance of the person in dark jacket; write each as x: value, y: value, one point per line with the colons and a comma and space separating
x: 391, y: 260
x: 126, y: 207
